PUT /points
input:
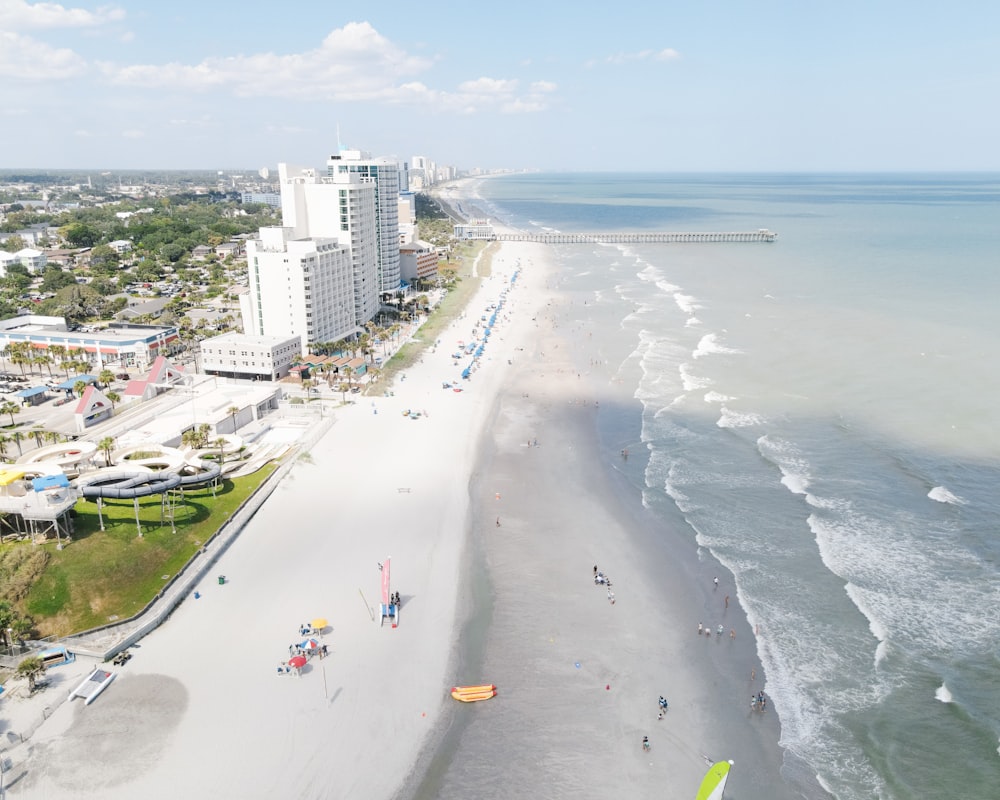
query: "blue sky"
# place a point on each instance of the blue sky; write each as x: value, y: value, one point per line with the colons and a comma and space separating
x: 703, y: 85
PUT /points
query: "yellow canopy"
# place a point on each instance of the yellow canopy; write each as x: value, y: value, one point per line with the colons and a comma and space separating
x: 319, y: 623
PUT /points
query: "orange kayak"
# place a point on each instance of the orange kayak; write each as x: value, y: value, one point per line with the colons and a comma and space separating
x: 471, y: 694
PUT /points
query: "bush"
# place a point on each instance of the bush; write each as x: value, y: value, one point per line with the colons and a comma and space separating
x: 20, y: 566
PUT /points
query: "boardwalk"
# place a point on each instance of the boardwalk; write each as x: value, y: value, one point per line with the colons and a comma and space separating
x: 762, y: 235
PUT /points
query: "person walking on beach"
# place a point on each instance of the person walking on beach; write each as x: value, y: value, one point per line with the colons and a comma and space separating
x: 716, y: 582
x: 498, y: 522
x: 699, y: 629
x: 727, y: 601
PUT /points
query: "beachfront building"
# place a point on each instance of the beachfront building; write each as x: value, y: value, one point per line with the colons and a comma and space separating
x: 299, y: 287
x: 475, y: 229
x: 238, y: 355
x: 407, y: 212
x: 418, y: 261
x: 340, y: 207
x: 384, y: 175
x: 121, y: 343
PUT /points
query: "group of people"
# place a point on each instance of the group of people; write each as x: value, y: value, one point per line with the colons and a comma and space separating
x: 758, y: 702
x: 600, y: 579
x: 663, y: 707
x: 394, y: 599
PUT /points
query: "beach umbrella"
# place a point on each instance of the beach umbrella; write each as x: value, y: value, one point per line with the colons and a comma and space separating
x: 319, y: 623
x: 297, y: 661
x: 309, y: 644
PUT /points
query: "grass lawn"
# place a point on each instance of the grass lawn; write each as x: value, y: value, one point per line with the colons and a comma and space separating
x: 114, y: 573
x: 450, y: 308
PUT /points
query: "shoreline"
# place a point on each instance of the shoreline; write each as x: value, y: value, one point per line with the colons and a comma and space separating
x: 555, y: 642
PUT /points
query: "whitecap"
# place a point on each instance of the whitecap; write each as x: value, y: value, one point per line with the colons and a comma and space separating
x: 735, y: 419
x: 943, y: 694
x: 715, y: 397
x: 709, y: 344
x: 686, y: 303
x: 691, y: 322
x: 692, y: 382
x: 942, y: 495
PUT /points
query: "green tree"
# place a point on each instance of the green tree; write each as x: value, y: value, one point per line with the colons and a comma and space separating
x: 11, y: 408
x: 13, y: 244
x: 55, y: 278
x: 106, y: 377
x: 114, y: 398
x: 30, y: 669
x: 106, y: 446
x: 232, y: 411
x: 7, y: 617
x: 104, y: 260
x: 80, y: 235
x: 79, y: 388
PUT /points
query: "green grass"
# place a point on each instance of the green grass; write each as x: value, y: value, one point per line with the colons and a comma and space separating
x: 114, y: 573
x: 447, y: 311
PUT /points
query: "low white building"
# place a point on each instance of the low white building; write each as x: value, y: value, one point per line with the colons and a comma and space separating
x: 248, y: 357
x: 476, y: 229
x: 34, y: 260
x: 121, y: 246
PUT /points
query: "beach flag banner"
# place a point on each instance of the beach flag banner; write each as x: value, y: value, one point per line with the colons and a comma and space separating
x: 386, y: 599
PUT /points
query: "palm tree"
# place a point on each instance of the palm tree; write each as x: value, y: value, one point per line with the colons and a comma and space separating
x: 220, y: 442
x: 106, y: 377
x: 4, y: 441
x: 11, y: 408
x: 52, y: 436
x: 106, y: 445
x: 114, y: 397
x: 38, y: 434
x: 348, y: 372
x: 42, y: 360
x: 17, y: 437
x: 31, y: 668
x: 79, y: 388
x: 343, y: 388
x: 58, y: 352
x: 232, y: 411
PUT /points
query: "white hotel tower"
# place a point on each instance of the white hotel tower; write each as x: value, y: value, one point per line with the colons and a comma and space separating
x: 316, y: 276
x: 384, y: 173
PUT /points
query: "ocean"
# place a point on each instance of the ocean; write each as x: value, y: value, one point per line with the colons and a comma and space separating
x: 820, y: 415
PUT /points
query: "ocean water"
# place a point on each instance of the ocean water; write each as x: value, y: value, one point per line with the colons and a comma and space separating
x: 821, y: 414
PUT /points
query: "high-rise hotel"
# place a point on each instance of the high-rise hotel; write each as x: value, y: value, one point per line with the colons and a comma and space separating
x: 321, y: 274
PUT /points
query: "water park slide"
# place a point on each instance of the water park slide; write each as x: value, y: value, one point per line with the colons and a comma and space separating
x: 126, y: 484
x: 472, y: 694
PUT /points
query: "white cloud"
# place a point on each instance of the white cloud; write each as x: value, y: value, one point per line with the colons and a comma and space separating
x: 667, y: 54
x: 132, y: 133
x: 19, y: 15
x: 353, y: 63
x: 28, y: 59
x: 488, y: 86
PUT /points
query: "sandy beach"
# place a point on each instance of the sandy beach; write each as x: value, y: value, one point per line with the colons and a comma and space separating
x: 494, y: 506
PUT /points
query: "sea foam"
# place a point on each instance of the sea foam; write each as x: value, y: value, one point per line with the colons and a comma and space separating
x: 942, y: 495
x: 943, y: 694
x: 709, y: 345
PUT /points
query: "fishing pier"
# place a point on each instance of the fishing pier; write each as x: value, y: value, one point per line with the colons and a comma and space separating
x: 483, y: 231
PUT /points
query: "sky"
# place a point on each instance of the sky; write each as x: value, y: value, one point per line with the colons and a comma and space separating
x: 657, y: 85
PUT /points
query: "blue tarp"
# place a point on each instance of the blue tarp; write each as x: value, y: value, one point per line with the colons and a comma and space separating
x: 49, y: 482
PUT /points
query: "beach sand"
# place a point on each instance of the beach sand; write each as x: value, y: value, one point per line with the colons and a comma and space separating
x: 200, y: 709
x: 492, y: 546
x: 580, y: 677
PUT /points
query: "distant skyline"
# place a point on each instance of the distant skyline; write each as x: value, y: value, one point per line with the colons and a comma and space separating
x: 633, y: 86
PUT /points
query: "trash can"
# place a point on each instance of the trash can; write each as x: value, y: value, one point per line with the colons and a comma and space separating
x: 222, y: 580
